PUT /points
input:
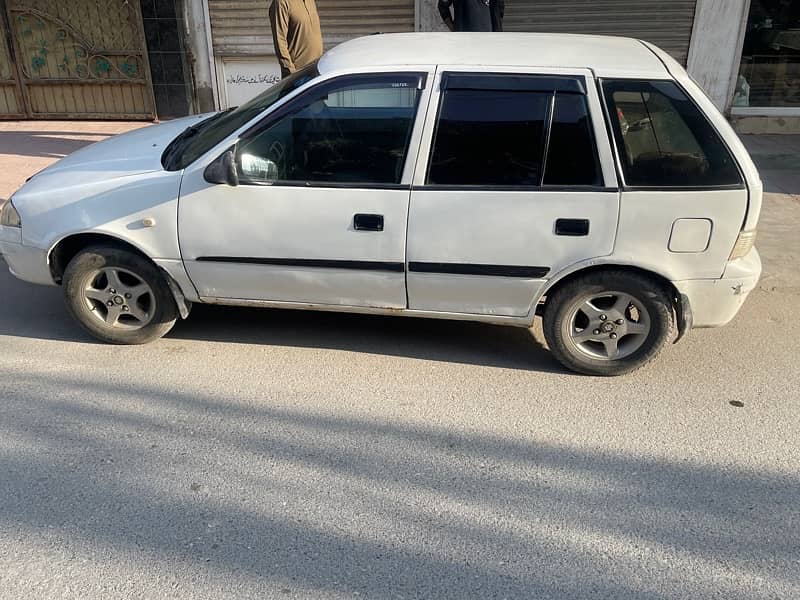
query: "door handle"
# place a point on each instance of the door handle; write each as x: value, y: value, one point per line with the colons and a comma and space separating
x: 363, y: 222
x: 572, y: 227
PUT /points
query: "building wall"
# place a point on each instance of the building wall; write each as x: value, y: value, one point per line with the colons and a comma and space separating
x: 716, y: 47
x: 198, y: 42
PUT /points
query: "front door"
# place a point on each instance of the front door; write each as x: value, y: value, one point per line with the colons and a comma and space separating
x: 320, y: 213
x: 518, y: 185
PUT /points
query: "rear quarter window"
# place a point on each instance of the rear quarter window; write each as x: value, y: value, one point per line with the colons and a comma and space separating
x: 664, y: 140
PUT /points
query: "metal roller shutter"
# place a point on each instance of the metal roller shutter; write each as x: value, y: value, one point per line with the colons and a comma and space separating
x: 667, y: 23
x: 241, y: 27
x: 343, y: 20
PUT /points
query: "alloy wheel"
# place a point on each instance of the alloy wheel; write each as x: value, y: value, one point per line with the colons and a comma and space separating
x: 609, y: 325
x: 119, y: 298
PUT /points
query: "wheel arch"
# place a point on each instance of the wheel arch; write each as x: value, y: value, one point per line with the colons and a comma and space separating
x: 680, y: 302
x: 65, y: 249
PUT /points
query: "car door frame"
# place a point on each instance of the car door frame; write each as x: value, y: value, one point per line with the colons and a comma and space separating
x: 342, y: 278
x: 530, y: 284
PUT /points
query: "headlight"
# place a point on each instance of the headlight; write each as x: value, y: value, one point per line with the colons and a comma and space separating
x: 9, y: 215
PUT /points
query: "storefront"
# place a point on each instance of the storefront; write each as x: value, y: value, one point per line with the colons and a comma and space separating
x: 666, y: 24
x: 242, y: 60
x: 166, y: 58
x: 768, y: 80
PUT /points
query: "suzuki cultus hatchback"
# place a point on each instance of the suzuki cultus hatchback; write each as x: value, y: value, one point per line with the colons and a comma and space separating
x: 460, y: 176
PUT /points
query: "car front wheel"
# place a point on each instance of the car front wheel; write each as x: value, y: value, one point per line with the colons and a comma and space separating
x: 118, y: 296
x: 607, y: 323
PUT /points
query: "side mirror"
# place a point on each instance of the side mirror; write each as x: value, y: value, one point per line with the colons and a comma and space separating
x: 223, y: 170
x: 256, y: 168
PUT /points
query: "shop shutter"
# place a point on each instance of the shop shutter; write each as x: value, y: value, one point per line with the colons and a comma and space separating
x: 241, y: 27
x: 343, y: 20
x: 667, y: 23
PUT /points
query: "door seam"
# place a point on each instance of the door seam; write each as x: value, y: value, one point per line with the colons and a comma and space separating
x: 413, y: 176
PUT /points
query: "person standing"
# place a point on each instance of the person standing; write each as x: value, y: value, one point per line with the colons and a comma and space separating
x: 296, y: 33
x: 498, y: 9
x: 467, y: 15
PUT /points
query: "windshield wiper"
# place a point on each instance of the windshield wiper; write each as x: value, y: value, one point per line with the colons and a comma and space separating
x: 172, y: 149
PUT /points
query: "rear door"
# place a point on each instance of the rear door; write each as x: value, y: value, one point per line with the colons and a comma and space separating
x: 518, y: 183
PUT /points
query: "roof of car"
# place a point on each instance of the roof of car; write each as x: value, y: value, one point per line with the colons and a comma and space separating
x: 605, y: 55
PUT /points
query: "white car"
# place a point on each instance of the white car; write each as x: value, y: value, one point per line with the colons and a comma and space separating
x: 487, y: 177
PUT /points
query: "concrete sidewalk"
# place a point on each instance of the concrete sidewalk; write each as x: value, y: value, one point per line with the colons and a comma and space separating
x: 29, y: 146
x: 778, y: 160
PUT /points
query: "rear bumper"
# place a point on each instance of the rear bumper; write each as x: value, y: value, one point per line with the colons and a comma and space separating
x: 24, y: 262
x: 714, y: 302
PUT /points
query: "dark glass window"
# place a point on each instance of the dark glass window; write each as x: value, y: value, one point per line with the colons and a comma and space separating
x: 572, y: 153
x: 770, y: 70
x: 663, y: 138
x: 490, y: 137
x: 356, y: 131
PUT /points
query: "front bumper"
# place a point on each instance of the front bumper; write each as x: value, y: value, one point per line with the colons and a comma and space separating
x: 24, y: 262
x: 714, y: 302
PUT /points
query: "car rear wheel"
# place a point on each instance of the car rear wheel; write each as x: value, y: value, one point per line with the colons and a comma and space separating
x: 118, y: 296
x: 607, y: 323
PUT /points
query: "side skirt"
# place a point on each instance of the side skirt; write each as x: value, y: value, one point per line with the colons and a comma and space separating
x: 525, y: 322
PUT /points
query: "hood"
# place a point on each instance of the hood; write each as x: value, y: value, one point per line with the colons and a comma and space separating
x: 130, y: 153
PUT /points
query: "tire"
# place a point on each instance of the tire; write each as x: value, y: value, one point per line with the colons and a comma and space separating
x: 584, y: 321
x: 118, y: 296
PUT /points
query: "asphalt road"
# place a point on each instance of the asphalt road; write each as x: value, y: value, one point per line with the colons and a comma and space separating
x: 268, y: 454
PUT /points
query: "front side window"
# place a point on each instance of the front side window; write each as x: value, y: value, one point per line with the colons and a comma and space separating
x: 353, y: 131
x: 664, y: 140
x: 198, y: 139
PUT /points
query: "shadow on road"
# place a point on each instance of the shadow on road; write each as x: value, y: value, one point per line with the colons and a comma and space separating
x: 38, y: 312
x: 429, y: 339
x: 381, y: 508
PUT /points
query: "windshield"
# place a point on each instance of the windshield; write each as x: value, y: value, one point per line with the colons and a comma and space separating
x: 198, y: 139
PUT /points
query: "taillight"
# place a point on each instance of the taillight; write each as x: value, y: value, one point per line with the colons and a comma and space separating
x: 743, y: 245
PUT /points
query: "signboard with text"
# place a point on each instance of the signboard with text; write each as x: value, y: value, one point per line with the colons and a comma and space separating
x: 242, y: 79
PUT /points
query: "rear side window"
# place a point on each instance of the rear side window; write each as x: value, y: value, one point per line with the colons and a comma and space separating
x: 490, y: 138
x: 664, y: 140
x: 503, y: 130
x: 571, y: 152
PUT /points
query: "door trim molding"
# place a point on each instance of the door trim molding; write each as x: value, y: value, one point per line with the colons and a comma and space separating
x: 356, y: 265
x: 524, y: 272
x: 517, y: 271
